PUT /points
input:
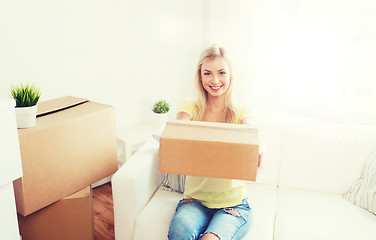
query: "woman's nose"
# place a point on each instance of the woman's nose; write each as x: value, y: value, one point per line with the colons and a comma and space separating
x: 215, y: 79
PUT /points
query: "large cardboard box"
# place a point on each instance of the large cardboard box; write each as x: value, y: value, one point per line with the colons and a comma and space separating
x: 70, y: 218
x: 206, y: 149
x: 73, y: 145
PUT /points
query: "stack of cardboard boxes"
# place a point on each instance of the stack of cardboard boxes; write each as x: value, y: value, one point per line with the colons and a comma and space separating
x: 72, y: 146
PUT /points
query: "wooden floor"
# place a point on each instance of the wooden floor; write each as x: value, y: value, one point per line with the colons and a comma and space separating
x: 103, y: 213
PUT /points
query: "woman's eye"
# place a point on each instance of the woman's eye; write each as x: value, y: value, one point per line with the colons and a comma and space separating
x: 222, y: 73
x: 206, y: 73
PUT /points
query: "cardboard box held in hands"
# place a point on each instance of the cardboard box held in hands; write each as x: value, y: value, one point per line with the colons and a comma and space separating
x: 207, y: 149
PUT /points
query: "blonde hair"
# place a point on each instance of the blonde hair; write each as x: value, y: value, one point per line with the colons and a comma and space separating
x: 209, y: 54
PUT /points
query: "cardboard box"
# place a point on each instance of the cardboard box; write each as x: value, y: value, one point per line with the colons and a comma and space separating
x: 207, y: 149
x: 70, y: 218
x: 73, y: 145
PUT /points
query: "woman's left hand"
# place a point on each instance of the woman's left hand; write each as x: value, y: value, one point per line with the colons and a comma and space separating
x: 260, y: 160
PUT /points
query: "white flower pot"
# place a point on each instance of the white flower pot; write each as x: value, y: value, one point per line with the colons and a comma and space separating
x: 26, y: 116
x: 161, y: 119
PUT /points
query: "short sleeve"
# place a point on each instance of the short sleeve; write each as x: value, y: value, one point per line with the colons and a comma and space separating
x: 188, y: 107
x: 244, y: 111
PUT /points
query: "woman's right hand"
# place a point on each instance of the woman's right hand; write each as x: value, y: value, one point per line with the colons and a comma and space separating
x: 183, y: 116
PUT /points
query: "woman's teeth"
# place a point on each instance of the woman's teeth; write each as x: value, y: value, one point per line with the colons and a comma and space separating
x: 215, y: 87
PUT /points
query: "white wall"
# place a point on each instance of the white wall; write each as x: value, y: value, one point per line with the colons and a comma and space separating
x: 314, y: 57
x: 124, y: 53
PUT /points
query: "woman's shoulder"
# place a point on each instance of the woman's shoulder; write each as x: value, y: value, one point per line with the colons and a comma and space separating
x: 188, y: 102
x: 241, y: 106
x: 188, y: 106
x: 243, y: 110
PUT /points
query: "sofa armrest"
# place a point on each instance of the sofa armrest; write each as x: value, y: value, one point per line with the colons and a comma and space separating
x: 133, y: 185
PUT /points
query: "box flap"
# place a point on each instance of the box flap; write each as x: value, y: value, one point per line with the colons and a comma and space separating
x: 211, y: 131
x: 58, y: 104
x: 212, y: 125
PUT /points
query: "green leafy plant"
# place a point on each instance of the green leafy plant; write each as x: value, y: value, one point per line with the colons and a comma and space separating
x: 25, y: 95
x: 161, y: 107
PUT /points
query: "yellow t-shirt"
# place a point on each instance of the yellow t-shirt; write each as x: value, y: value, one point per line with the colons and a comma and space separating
x: 214, y: 192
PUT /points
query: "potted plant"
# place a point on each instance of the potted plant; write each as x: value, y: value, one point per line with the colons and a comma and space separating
x: 161, y: 109
x: 26, y: 97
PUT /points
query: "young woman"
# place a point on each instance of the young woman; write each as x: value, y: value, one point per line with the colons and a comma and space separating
x: 212, y: 208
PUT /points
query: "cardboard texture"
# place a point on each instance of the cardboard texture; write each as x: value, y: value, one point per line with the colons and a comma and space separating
x: 207, y: 149
x: 70, y: 218
x: 72, y: 146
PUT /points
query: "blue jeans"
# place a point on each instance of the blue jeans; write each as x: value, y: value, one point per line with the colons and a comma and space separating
x: 192, y: 220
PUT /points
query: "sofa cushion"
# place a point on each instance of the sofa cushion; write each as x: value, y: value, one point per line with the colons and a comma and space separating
x: 323, y: 156
x: 313, y: 215
x: 263, y: 201
x: 154, y: 220
x: 363, y: 191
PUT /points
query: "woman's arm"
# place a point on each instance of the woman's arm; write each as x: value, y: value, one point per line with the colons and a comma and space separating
x: 183, y: 116
x: 248, y: 121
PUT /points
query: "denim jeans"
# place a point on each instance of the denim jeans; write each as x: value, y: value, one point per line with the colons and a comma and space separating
x: 192, y: 220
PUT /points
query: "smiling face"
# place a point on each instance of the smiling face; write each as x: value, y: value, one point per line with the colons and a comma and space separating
x: 215, y: 76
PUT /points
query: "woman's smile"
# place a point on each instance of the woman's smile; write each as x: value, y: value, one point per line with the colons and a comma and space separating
x: 216, y: 88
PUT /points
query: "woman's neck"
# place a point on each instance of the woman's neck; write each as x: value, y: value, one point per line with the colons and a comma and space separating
x: 215, y: 104
x: 215, y: 109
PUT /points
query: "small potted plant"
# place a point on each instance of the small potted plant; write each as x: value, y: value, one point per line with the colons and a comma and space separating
x: 161, y: 109
x: 26, y: 97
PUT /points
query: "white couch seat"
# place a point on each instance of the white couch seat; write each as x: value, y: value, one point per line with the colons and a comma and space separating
x: 314, y: 215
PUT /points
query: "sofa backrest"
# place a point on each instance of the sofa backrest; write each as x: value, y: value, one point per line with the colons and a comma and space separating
x: 270, y: 133
x: 321, y: 155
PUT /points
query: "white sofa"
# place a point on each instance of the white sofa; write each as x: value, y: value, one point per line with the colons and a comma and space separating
x: 308, y: 165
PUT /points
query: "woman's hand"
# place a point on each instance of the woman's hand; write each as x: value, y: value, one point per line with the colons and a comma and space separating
x: 183, y: 116
x: 260, y: 160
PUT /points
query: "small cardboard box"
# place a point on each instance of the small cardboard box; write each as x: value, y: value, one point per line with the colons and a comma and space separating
x: 73, y: 145
x: 69, y: 218
x: 207, y: 149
